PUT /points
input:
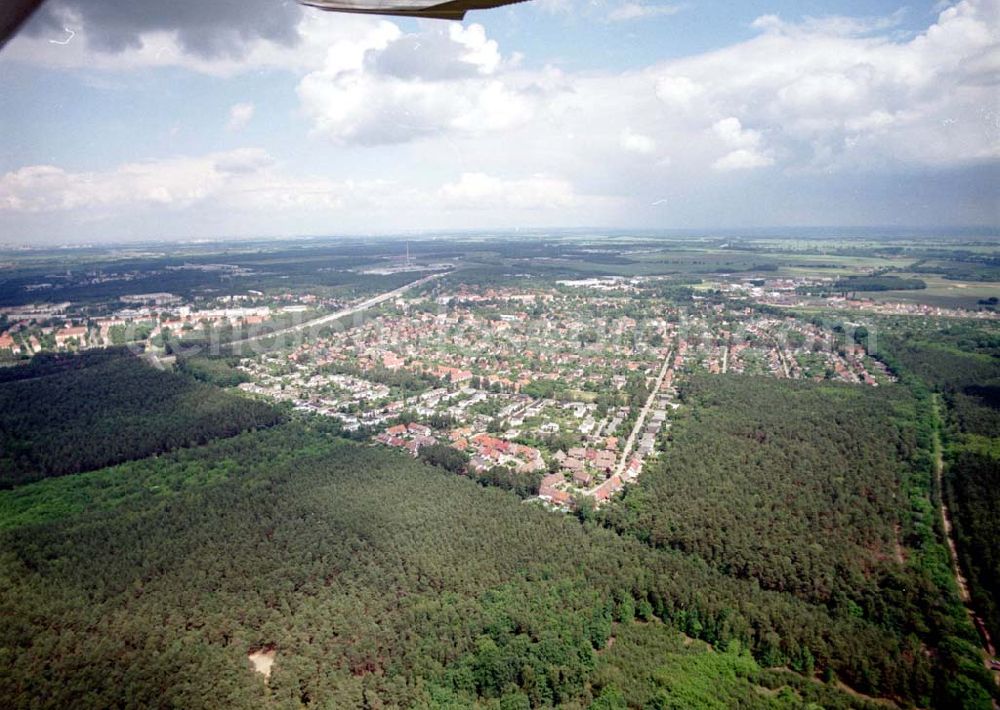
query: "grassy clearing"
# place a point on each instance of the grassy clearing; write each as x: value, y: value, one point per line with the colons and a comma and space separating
x: 941, y: 292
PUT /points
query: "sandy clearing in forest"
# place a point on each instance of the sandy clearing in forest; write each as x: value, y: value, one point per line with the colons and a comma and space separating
x: 262, y: 661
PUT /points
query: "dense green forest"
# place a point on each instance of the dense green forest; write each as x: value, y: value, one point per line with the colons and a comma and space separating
x: 377, y: 579
x: 971, y: 485
x: 961, y: 361
x: 821, y: 491
x: 762, y: 475
x: 880, y: 282
x: 68, y: 414
x: 219, y: 371
x: 47, y: 363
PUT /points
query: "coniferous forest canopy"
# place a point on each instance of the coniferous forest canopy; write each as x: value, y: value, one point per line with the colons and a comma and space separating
x: 961, y: 363
x: 59, y: 418
x: 161, y: 518
x: 375, y: 576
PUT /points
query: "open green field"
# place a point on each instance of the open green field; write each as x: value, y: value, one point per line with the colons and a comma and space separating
x: 795, y: 266
x: 941, y: 292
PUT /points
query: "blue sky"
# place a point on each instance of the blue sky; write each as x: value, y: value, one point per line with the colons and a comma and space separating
x: 259, y: 117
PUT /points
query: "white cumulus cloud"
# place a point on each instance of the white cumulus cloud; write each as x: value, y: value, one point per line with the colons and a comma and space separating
x: 172, y: 183
x: 239, y: 116
x: 407, y: 87
x: 636, y: 11
x: 834, y: 93
x: 637, y: 143
x: 247, y: 180
x: 744, y: 145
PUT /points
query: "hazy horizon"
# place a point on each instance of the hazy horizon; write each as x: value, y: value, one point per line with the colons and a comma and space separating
x: 788, y: 232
